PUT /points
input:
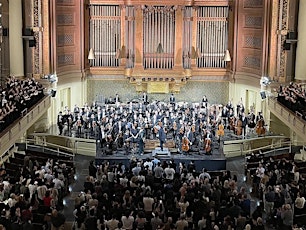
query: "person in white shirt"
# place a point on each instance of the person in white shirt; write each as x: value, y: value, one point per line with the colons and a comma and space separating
x: 112, y: 224
x: 169, y: 172
x: 127, y: 221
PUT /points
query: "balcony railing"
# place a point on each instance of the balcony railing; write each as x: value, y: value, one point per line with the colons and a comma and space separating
x: 292, y: 120
x: 16, y: 130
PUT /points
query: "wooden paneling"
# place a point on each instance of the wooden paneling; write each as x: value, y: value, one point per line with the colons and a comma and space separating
x: 68, y: 37
x: 251, y: 36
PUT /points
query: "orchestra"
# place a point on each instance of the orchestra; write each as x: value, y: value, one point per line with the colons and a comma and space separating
x: 126, y: 126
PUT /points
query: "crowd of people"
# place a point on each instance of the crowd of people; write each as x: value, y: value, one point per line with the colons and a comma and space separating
x: 118, y: 125
x: 34, y: 195
x: 17, y: 95
x: 293, y: 96
x: 281, y: 187
x: 155, y: 194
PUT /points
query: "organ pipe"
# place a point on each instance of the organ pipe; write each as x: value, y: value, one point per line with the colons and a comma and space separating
x: 105, y: 34
x: 158, y: 30
x: 212, y: 29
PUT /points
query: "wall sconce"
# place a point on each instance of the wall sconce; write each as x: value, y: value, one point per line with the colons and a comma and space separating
x: 91, y: 56
x: 227, y: 56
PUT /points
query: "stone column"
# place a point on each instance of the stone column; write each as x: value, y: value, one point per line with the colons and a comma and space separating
x: 300, y: 67
x: 15, y: 38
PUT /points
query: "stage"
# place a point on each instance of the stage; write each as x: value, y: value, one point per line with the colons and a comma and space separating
x: 213, y: 162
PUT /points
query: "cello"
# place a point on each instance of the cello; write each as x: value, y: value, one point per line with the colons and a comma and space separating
x: 239, y: 128
x: 185, y: 144
x: 207, y: 145
x: 220, y: 131
x: 260, y: 129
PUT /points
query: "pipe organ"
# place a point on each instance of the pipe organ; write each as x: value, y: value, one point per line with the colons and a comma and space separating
x: 159, y: 36
x: 151, y: 43
x: 105, y: 37
x: 212, y: 36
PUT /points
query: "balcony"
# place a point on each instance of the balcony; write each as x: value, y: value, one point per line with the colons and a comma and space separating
x: 292, y: 120
x: 28, y: 118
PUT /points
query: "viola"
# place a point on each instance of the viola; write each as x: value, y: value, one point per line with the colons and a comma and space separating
x: 185, y: 144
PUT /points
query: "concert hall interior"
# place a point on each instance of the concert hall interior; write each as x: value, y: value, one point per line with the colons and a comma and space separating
x: 213, y: 89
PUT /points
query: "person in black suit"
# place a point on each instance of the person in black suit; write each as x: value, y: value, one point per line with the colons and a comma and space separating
x: 172, y: 99
x: 244, y: 122
x: 161, y: 136
x: 60, y: 124
x: 145, y: 98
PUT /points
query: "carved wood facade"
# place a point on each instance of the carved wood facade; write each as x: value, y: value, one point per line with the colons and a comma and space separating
x: 250, y: 39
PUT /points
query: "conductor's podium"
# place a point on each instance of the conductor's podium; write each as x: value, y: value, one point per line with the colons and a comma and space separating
x: 158, y: 152
x: 153, y: 144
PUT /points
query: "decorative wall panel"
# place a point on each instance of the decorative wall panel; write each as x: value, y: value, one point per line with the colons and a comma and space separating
x: 69, y: 30
x: 65, y: 2
x: 252, y: 62
x: 251, y: 36
x: 252, y: 3
x: 65, y: 39
x: 216, y: 92
x: 252, y: 42
x: 65, y: 19
x: 253, y: 21
x: 65, y: 59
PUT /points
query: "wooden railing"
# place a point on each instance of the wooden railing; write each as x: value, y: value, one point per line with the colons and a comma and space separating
x: 294, y: 122
x: 16, y: 130
x: 243, y: 147
x: 70, y: 145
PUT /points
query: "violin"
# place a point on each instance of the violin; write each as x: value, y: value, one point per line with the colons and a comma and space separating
x: 185, y: 144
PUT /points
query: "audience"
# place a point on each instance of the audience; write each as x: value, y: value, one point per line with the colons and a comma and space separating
x: 19, y: 94
x: 293, y: 97
x: 35, y: 195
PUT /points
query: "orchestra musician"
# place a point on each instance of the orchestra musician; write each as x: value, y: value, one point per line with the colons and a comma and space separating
x: 127, y: 141
x: 172, y: 99
x: 145, y: 98
x: 244, y: 122
x: 60, y: 124
x: 251, y: 121
x: 182, y: 120
x: 161, y: 136
x: 141, y: 140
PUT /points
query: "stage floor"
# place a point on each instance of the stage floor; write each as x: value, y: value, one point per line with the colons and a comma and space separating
x: 215, y: 161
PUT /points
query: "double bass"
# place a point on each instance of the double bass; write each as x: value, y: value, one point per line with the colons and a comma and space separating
x: 260, y: 129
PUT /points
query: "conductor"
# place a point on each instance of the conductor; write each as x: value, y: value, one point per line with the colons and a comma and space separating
x: 161, y: 136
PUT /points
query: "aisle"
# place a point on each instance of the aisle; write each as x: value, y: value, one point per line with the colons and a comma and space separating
x: 81, y: 168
